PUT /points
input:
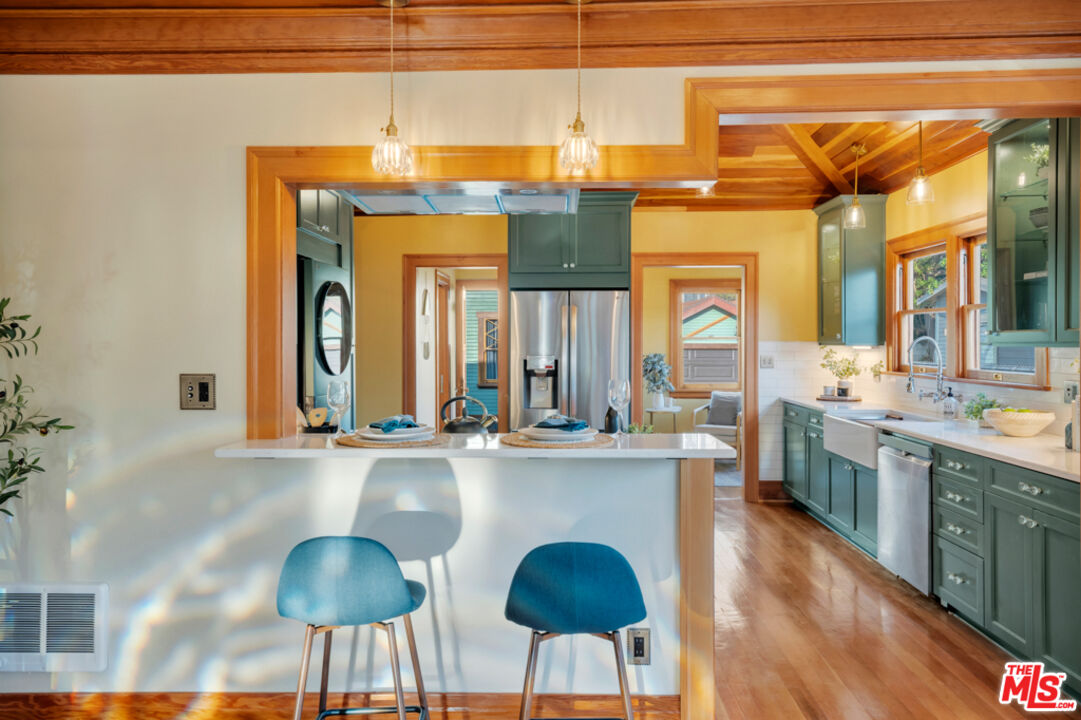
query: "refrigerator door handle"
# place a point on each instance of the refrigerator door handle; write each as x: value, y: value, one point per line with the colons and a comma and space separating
x: 574, y: 361
x: 564, y: 363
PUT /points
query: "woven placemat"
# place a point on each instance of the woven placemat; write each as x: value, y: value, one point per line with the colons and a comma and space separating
x: 520, y: 440
x: 358, y: 442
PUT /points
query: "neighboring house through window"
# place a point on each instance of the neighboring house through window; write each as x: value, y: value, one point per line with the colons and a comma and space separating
x: 705, y: 336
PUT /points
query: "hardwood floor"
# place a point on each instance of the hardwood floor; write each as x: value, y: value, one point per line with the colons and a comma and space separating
x: 810, y: 627
x: 807, y: 627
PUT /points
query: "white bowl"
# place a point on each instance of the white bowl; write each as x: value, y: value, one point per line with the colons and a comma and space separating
x: 1018, y: 424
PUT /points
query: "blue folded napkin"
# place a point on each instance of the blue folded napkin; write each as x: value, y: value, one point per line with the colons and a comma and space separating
x: 562, y: 422
x: 394, y: 422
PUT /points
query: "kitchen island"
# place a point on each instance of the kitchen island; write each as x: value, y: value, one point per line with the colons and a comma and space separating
x: 470, y: 510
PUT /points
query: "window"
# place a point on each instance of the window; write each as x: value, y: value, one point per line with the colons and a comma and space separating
x: 487, y: 350
x: 704, y: 332
x: 937, y: 287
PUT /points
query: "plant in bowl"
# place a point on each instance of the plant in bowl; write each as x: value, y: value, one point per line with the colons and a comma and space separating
x: 1018, y: 422
x: 656, y: 373
x: 974, y: 408
x: 636, y: 429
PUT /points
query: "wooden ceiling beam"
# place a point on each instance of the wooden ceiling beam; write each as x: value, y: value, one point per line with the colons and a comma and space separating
x: 811, y: 155
x: 882, y: 149
x: 230, y: 36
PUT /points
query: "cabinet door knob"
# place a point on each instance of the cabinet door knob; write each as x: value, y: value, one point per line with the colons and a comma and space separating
x: 955, y: 529
x: 325, y: 228
x: 837, y: 336
x: 1026, y: 521
x: 956, y: 579
x: 565, y: 266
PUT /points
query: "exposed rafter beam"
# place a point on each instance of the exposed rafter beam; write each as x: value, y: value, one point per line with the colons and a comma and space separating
x: 883, y: 148
x: 811, y: 155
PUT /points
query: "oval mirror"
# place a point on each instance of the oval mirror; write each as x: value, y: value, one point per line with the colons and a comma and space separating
x: 334, y: 327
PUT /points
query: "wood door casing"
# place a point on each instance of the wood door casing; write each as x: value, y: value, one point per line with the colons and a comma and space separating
x: 442, y: 345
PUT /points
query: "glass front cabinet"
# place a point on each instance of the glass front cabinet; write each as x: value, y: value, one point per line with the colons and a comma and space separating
x: 1032, y: 234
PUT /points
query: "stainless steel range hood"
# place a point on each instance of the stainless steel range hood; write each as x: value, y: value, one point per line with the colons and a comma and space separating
x: 495, y: 200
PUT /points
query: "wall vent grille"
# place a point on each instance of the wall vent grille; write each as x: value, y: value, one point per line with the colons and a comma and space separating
x: 53, y: 628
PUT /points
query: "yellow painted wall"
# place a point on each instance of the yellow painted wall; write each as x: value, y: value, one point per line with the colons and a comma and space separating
x: 379, y: 244
x: 656, y: 318
x: 959, y: 191
x: 784, y: 241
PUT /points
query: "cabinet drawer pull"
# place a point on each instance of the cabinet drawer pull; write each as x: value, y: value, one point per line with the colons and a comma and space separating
x: 325, y: 228
x: 957, y: 579
x: 565, y: 266
x: 813, y: 434
x: 1026, y: 521
x: 956, y: 529
x: 572, y: 264
x: 955, y: 497
x: 1030, y: 489
x: 816, y: 420
x: 791, y: 413
x: 956, y: 465
x: 848, y: 466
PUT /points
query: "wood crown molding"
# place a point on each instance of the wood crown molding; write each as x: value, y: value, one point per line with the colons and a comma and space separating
x: 246, y: 36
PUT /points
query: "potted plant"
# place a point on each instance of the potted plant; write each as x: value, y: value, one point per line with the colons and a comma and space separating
x: 17, y: 461
x: 656, y: 373
x: 974, y: 409
x: 1040, y: 157
x: 841, y: 368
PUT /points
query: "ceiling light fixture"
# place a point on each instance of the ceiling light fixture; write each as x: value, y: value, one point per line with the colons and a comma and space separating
x: 391, y: 156
x: 855, y: 218
x: 578, y: 152
x: 920, y: 191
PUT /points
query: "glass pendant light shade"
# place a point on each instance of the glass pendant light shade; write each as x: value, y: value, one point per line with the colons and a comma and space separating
x: 855, y: 218
x: 391, y: 156
x: 920, y: 191
x: 578, y: 153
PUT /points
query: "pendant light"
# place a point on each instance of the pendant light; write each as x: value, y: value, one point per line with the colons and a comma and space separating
x: 920, y: 191
x: 391, y: 156
x: 578, y: 152
x: 855, y: 218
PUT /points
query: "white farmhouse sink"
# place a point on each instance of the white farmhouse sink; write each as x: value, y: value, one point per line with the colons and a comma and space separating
x: 848, y: 432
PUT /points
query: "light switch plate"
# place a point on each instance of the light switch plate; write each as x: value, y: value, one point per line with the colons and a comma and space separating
x: 1069, y: 392
x: 198, y: 391
x: 638, y: 646
x: 765, y: 361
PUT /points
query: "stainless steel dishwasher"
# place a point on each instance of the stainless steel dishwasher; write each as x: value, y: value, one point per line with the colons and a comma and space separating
x: 904, y: 509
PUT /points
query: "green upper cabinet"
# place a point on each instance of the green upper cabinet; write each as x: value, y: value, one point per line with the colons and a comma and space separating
x: 325, y: 227
x: 1032, y: 232
x: 851, y: 274
x: 589, y: 249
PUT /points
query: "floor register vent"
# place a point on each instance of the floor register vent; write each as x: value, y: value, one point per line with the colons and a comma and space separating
x: 53, y: 628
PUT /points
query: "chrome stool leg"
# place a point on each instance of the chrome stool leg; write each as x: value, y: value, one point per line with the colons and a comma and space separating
x: 415, y: 657
x: 530, y: 673
x: 621, y: 668
x: 305, y: 659
x: 399, y: 695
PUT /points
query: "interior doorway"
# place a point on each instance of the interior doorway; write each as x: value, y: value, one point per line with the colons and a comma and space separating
x: 453, y: 321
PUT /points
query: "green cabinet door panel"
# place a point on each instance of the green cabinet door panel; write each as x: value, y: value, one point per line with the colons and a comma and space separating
x: 601, y: 239
x: 851, y: 274
x: 1068, y: 264
x: 1007, y: 586
x: 818, y: 473
x: 841, y: 510
x: 537, y: 243
x: 795, y: 460
x: 1056, y: 586
x: 865, y: 507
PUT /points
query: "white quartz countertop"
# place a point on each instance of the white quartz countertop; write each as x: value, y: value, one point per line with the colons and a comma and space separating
x: 1043, y: 453
x: 653, y: 446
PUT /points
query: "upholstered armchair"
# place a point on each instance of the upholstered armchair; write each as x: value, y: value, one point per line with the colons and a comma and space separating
x: 723, y: 420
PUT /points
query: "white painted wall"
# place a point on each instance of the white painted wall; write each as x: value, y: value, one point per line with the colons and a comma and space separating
x: 123, y: 232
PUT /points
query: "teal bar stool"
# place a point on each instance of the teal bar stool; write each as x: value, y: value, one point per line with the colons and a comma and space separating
x: 574, y: 588
x: 332, y: 582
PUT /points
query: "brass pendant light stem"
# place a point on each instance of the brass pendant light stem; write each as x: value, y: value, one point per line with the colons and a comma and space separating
x: 859, y: 149
x: 392, y: 63
x: 579, y: 5
x: 921, y: 144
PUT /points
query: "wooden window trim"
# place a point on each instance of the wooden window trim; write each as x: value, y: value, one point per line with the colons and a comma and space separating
x: 676, y: 288
x: 461, y: 288
x: 482, y: 348
x: 956, y: 238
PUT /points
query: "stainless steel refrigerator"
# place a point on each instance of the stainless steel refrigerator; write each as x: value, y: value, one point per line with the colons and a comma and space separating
x: 564, y: 348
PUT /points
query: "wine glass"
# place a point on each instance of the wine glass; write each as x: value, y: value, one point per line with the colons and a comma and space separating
x: 619, y: 395
x: 338, y: 401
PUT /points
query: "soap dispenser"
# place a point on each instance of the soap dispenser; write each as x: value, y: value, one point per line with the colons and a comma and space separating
x: 949, y: 405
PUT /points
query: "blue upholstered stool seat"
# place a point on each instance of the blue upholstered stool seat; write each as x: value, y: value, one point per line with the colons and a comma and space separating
x: 570, y: 588
x: 574, y: 587
x: 336, y: 581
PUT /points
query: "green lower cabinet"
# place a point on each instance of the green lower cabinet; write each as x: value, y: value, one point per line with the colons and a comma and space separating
x: 841, y: 512
x: 865, y: 506
x: 818, y: 473
x: 795, y: 460
x: 1056, y: 586
x: 957, y: 578
x: 1007, y: 564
